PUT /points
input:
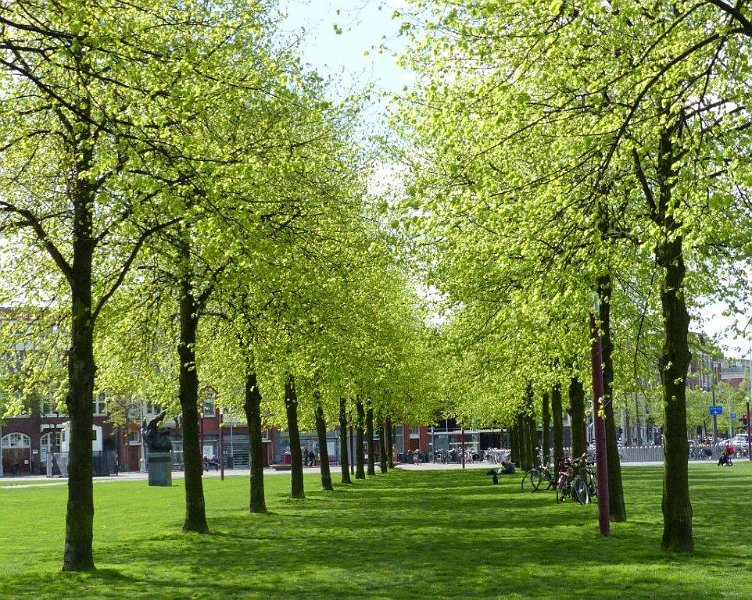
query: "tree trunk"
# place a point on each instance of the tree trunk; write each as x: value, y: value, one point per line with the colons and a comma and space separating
x: 556, y: 411
x: 577, y: 414
x: 343, y: 451
x: 617, y: 508
x: 359, y: 458
x: 517, y: 440
x: 79, y: 519
x: 369, y: 441
x: 253, y: 415
x: 674, y: 361
x: 383, y: 464
x: 389, y: 443
x: 326, y: 475
x: 296, y: 454
x: 546, y: 426
x: 195, y: 508
x: 529, y: 433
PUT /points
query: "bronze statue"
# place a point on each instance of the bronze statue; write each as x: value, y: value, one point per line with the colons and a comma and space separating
x: 157, y: 438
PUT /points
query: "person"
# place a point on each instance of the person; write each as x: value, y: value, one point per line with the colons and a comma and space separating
x: 725, y: 460
x: 311, y: 458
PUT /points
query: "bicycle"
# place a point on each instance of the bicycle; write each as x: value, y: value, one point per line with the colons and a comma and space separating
x: 589, y: 478
x: 572, y: 482
x: 536, y: 477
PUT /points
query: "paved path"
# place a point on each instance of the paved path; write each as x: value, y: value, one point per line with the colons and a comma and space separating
x: 41, y: 480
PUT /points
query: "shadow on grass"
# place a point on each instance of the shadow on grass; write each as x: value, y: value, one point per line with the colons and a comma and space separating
x: 444, y: 534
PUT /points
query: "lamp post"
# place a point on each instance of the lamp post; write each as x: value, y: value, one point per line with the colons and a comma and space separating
x: 221, y: 448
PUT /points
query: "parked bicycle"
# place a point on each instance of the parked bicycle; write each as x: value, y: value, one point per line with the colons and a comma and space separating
x: 542, y: 475
x: 572, y: 481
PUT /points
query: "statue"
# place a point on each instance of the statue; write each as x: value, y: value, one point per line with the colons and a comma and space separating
x: 157, y: 438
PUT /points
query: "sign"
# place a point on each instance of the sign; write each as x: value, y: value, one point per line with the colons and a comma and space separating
x: 732, y: 416
x: 716, y: 410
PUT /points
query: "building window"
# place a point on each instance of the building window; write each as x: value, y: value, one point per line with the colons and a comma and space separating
x: 50, y: 442
x: 48, y: 406
x: 209, y: 403
x: 153, y: 409
x: 134, y: 438
x: 100, y: 404
x: 16, y: 440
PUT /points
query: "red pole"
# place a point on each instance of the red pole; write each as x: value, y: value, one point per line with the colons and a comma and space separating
x: 600, y: 429
x: 749, y: 438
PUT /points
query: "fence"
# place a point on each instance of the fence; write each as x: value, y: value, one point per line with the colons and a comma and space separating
x: 103, y: 463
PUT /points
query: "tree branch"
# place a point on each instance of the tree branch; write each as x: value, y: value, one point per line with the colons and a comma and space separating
x: 30, y: 220
x: 129, y: 262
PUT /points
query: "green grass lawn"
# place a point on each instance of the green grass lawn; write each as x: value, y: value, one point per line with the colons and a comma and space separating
x: 415, y: 534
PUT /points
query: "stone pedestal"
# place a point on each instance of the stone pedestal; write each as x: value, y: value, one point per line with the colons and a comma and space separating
x: 159, y: 465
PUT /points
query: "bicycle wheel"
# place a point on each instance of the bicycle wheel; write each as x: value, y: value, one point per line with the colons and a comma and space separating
x: 530, y: 481
x: 592, y: 483
x: 580, y: 490
x: 562, y: 491
x: 548, y: 478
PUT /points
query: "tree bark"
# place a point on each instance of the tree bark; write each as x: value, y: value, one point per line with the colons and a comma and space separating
x: 617, y: 508
x: 369, y: 441
x: 326, y: 475
x: 514, y: 441
x: 195, y: 508
x: 343, y: 450
x: 253, y: 415
x: 577, y: 414
x: 296, y: 454
x: 383, y: 463
x: 359, y: 458
x: 674, y: 360
x: 79, y: 519
x: 546, y: 426
x: 529, y: 433
x: 389, y: 443
x: 556, y: 411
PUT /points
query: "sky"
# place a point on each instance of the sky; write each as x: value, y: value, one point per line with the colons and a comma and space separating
x: 341, y: 40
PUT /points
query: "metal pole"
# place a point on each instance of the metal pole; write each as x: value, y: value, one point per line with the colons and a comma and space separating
x: 638, y: 425
x: 462, y: 445
x: 600, y: 429
x: 433, y: 444
x: 221, y: 449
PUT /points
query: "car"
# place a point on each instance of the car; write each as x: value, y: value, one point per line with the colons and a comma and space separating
x: 740, y: 439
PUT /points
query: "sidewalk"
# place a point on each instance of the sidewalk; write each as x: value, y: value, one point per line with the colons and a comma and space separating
x: 41, y: 480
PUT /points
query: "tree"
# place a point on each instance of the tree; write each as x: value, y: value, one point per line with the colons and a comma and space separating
x: 583, y: 109
x: 78, y: 127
